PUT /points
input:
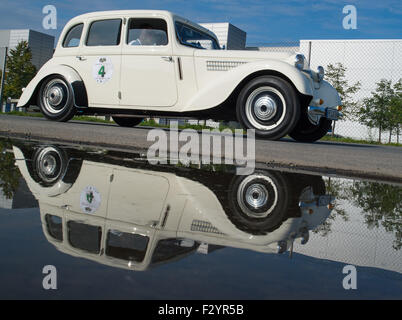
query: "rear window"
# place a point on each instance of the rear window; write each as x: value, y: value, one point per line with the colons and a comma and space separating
x: 126, y: 246
x: 73, y: 36
x: 85, y: 237
x: 104, y: 33
x: 54, y: 226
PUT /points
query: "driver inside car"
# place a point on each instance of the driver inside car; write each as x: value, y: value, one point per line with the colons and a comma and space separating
x: 148, y: 37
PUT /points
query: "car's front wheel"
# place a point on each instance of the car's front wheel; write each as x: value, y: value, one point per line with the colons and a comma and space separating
x: 127, y: 121
x: 269, y: 105
x: 55, y: 99
x: 258, y: 202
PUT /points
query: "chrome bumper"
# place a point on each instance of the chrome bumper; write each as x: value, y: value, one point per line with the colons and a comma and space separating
x: 329, y: 113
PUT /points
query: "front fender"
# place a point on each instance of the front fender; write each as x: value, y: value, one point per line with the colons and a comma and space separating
x: 222, y: 85
x: 328, y: 94
x: 72, y: 77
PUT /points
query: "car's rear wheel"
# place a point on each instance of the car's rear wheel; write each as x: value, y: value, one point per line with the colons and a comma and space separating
x: 56, y: 100
x: 50, y: 164
x: 127, y: 121
x: 308, y: 131
x: 269, y: 105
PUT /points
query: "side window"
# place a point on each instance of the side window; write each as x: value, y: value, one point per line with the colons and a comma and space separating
x: 147, y: 32
x: 73, y: 36
x: 104, y: 33
x: 85, y: 237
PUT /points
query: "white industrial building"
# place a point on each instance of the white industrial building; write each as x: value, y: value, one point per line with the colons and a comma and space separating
x: 41, y: 44
x: 228, y: 35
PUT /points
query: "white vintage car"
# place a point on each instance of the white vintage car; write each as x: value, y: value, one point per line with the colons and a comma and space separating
x: 136, y: 64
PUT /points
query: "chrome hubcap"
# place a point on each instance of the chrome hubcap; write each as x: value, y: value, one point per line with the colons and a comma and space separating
x: 265, y: 108
x: 254, y: 198
x: 48, y: 164
x: 256, y: 195
x: 55, y: 96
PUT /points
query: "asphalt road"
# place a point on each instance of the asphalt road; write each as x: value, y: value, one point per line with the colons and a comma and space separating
x: 370, y: 161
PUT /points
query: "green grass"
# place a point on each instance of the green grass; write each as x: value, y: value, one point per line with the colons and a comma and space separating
x: 197, y: 127
x: 352, y: 140
x: 24, y: 114
x: 152, y: 123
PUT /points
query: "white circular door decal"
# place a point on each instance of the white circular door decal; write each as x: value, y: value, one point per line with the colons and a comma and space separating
x: 90, y: 199
x: 102, y: 70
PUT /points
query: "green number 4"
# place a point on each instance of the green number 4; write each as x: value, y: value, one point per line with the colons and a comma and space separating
x: 101, y: 71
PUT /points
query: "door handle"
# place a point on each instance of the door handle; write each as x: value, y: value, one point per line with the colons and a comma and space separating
x: 168, y: 59
x: 81, y: 58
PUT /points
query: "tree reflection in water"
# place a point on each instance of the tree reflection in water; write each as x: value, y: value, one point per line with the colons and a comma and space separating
x: 9, y: 173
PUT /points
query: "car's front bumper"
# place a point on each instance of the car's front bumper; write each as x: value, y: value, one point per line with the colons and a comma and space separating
x: 327, y: 112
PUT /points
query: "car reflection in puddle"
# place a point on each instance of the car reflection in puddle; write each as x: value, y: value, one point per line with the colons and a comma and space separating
x: 132, y: 215
x: 119, y: 214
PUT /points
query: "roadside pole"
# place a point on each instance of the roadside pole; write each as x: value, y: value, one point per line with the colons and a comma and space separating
x: 3, y: 78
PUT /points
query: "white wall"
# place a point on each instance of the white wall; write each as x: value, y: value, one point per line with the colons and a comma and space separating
x: 228, y: 35
x: 367, y: 61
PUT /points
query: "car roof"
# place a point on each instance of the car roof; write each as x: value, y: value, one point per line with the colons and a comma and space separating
x: 174, y: 16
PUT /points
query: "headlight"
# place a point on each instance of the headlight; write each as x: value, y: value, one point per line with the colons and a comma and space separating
x: 320, y: 73
x: 299, y: 61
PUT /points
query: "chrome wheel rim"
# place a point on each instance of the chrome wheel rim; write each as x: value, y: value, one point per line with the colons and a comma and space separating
x: 55, y: 96
x: 265, y: 108
x: 48, y: 164
x: 253, y: 196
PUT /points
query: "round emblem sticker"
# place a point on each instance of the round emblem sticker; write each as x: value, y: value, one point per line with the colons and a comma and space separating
x: 102, y: 70
x: 90, y: 200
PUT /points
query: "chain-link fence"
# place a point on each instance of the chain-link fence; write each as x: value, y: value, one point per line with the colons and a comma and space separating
x: 366, y: 62
x: 283, y: 46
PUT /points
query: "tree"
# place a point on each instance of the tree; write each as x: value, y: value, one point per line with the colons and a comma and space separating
x: 395, y: 114
x: 378, y: 110
x: 20, y: 70
x: 381, y: 205
x: 336, y: 75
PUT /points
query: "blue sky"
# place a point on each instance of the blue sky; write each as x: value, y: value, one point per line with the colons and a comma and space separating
x: 264, y: 21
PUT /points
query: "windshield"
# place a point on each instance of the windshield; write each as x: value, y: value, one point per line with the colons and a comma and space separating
x: 195, y: 38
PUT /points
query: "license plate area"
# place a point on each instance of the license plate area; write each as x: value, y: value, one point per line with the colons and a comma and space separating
x: 332, y: 114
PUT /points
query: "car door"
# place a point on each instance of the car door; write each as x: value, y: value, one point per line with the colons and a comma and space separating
x: 99, y: 61
x: 137, y: 197
x: 148, y: 73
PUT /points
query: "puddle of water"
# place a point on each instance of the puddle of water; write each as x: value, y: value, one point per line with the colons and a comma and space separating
x: 115, y: 226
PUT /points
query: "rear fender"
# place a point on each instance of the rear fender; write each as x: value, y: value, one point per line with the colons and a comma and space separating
x: 69, y: 74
